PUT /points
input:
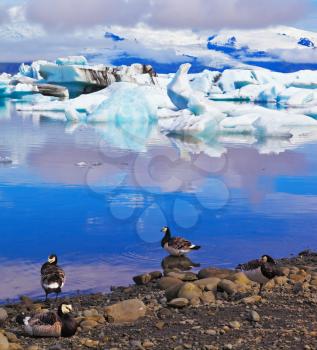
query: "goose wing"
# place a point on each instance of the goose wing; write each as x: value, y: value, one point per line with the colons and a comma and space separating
x: 251, y: 265
x: 179, y: 243
x: 53, y: 277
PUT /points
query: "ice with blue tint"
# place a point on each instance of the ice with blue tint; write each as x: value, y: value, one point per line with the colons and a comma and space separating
x: 72, y: 60
x: 127, y: 103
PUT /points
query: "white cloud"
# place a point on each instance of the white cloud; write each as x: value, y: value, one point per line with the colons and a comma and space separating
x: 197, y: 14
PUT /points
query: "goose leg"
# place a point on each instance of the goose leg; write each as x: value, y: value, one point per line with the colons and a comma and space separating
x: 260, y: 290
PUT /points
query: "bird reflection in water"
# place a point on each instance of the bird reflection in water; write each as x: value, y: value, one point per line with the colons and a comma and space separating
x: 177, y: 264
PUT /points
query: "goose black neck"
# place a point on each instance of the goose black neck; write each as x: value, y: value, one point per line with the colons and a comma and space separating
x: 166, y: 238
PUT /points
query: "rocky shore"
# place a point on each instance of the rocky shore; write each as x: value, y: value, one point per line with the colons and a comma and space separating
x: 175, y: 309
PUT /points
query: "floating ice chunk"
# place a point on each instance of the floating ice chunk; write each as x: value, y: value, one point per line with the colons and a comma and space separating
x: 72, y: 60
x: 184, y: 124
x: 127, y: 102
x: 298, y: 97
x: 71, y: 114
x: 232, y: 79
x: 204, y: 82
x: 179, y: 90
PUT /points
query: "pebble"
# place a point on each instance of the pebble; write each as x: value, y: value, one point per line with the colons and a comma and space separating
x: 253, y: 316
x: 252, y: 299
x: 147, y: 344
x: 178, y: 302
x: 211, y: 332
x: 3, y: 315
x: 234, y: 325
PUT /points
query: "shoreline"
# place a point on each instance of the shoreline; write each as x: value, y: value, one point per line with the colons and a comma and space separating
x: 224, y: 313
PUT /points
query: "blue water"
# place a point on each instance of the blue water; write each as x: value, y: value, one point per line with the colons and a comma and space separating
x: 103, y: 217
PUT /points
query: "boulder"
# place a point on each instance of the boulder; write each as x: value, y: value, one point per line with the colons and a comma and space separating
x: 179, y: 302
x: 210, y: 283
x: 142, y: 279
x: 208, y: 297
x: 147, y: 277
x: 125, y: 311
x: 4, y: 343
x: 172, y: 292
x: 214, y: 272
x: 184, y: 276
x: 227, y: 286
x: 189, y: 291
x: 168, y: 282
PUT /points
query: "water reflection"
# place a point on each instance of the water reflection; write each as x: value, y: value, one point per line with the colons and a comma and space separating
x: 236, y: 196
x: 178, y: 263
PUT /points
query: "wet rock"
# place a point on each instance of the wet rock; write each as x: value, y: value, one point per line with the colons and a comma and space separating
x: 168, y: 282
x: 227, y: 286
x: 179, y: 302
x: 3, y: 315
x: 4, y: 343
x: 253, y: 316
x: 210, y: 283
x: 214, y: 272
x: 184, y: 276
x: 156, y: 275
x: 189, y: 291
x: 125, y: 311
x: 142, y: 279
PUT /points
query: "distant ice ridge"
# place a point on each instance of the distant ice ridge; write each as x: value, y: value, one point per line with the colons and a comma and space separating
x: 202, y: 105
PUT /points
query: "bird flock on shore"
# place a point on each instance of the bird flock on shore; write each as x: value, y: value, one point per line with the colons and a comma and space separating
x: 61, y: 323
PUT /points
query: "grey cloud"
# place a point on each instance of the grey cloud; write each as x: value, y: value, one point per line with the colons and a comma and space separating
x: 216, y: 14
x: 197, y: 14
x: 73, y: 14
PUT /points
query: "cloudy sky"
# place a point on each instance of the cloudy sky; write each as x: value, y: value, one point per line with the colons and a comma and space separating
x: 48, y: 26
x: 68, y: 15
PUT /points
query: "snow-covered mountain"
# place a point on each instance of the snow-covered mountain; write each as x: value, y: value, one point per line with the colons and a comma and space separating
x: 283, y: 49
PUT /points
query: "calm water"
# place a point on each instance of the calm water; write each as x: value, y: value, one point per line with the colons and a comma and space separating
x: 98, y: 196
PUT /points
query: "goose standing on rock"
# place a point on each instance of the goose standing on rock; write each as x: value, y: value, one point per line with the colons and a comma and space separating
x: 176, y: 246
x: 261, y: 270
x: 52, y: 277
x: 52, y: 324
